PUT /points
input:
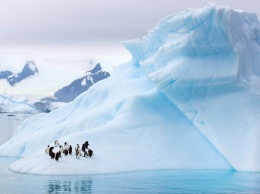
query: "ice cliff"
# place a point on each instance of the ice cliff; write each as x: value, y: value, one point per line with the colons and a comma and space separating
x: 189, y: 99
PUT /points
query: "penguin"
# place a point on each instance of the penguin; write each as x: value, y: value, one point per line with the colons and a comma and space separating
x: 61, y: 149
x: 78, y: 153
x: 90, y: 153
x: 70, y: 150
x: 47, y: 149
x: 51, y: 153
x: 86, y: 144
x: 86, y: 153
x: 66, y: 146
x: 76, y: 148
x: 66, y: 152
x: 51, y: 149
x: 83, y: 147
x: 57, y: 156
x: 56, y: 143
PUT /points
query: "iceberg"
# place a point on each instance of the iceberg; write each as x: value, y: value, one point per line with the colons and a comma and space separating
x: 9, y: 105
x: 188, y: 99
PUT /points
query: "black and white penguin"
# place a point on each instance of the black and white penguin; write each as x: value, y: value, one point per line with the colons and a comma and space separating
x: 51, y: 153
x: 47, y: 149
x: 78, y: 153
x: 57, y: 156
x: 86, y: 153
x: 66, y: 152
x: 83, y: 147
x: 56, y: 143
x: 66, y: 146
x: 90, y: 152
x: 76, y: 148
x: 61, y: 149
x: 86, y: 144
x: 70, y: 150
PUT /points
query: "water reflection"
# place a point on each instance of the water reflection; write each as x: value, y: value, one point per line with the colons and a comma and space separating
x: 70, y: 186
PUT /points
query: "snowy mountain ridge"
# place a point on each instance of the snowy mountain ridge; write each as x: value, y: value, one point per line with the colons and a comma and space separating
x: 185, y: 101
x: 71, y: 91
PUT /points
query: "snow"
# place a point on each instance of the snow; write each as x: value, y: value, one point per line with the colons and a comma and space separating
x: 189, y: 99
x: 90, y: 79
x: 84, y: 82
x: 7, y: 104
x: 32, y: 66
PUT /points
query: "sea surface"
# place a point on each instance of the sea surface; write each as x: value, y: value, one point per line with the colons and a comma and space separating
x: 159, y: 181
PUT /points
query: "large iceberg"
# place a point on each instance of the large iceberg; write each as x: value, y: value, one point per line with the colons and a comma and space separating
x: 188, y: 99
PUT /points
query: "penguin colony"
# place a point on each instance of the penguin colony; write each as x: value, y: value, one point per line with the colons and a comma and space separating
x: 67, y: 149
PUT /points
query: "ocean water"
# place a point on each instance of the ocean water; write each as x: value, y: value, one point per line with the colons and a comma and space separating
x: 159, y: 181
x: 9, y: 123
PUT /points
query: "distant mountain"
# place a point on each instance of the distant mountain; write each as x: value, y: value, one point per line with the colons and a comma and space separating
x: 5, y: 74
x: 29, y: 69
x: 70, y: 92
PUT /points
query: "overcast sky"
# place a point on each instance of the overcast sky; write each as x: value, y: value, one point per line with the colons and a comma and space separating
x: 90, y: 22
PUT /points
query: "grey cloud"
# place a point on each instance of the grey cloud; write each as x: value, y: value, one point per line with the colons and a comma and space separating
x: 89, y: 21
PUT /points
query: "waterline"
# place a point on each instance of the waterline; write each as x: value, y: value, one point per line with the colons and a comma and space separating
x: 159, y: 181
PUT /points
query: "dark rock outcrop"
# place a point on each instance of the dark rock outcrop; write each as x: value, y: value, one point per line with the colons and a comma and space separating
x: 5, y: 74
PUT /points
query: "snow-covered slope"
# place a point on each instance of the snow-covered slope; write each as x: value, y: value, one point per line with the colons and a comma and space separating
x: 189, y: 99
x: 8, y: 105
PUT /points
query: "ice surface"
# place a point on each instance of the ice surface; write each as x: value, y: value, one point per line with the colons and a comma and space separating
x: 189, y: 99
